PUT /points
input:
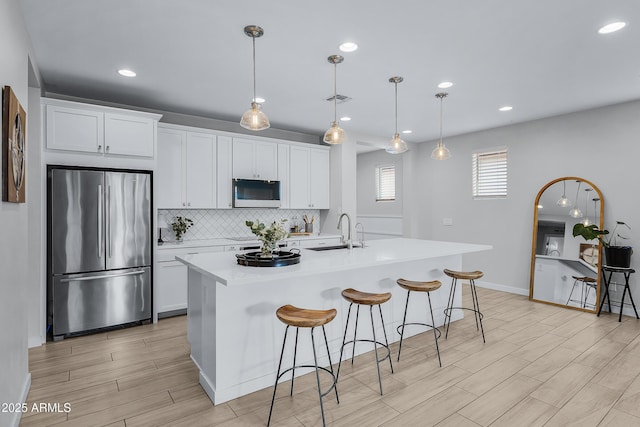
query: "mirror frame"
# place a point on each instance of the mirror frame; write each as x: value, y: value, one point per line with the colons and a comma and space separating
x: 535, y: 237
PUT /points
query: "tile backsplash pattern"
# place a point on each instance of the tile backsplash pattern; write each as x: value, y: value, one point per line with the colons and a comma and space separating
x: 221, y: 223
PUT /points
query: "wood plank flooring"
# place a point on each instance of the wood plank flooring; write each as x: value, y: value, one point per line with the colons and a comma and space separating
x: 541, y: 366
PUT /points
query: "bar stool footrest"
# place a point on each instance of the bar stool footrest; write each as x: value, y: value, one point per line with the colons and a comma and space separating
x: 323, y: 394
x: 387, y: 356
x: 439, y: 333
x: 447, y: 311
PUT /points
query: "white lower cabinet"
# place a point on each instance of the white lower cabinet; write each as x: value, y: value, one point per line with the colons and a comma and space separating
x: 172, y: 286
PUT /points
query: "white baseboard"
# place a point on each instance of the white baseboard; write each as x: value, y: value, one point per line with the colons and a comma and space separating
x: 503, y: 288
x: 15, y: 421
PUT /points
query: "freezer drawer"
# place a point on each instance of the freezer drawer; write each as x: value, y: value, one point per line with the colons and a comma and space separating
x: 83, y: 302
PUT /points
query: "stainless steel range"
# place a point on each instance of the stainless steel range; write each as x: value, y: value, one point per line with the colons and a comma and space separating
x: 99, y: 248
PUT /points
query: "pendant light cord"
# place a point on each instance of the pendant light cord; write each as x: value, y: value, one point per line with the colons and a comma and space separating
x: 335, y: 93
x: 396, y: 85
x: 577, y: 192
x: 441, y: 119
x: 254, y: 68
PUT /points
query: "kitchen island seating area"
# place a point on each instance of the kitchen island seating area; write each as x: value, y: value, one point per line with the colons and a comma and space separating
x: 471, y: 276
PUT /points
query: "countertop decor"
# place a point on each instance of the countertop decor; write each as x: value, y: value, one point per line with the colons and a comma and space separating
x: 268, y: 236
x: 180, y: 225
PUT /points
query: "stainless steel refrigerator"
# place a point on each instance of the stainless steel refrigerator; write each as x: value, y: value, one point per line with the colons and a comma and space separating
x: 100, y: 234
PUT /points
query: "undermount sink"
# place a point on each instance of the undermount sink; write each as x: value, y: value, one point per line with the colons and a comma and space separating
x: 334, y: 247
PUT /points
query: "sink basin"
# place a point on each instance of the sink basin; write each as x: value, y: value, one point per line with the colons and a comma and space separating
x: 332, y: 248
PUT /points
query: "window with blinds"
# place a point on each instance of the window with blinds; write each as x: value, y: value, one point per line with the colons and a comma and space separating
x: 385, y: 183
x: 490, y: 174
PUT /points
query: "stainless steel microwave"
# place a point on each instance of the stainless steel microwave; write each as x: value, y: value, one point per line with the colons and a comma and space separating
x: 252, y: 193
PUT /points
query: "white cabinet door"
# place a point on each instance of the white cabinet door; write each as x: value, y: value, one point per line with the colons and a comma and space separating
x: 74, y: 129
x: 128, y: 135
x: 243, y: 159
x: 283, y: 174
x: 319, y: 179
x: 255, y: 159
x: 266, y: 160
x: 224, y: 173
x: 200, y: 170
x: 170, y: 184
x: 172, y: 286
x: 299, y: 178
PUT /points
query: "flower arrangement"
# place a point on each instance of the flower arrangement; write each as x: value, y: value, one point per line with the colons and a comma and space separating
x: 269, y: 236
x: 180, y: 225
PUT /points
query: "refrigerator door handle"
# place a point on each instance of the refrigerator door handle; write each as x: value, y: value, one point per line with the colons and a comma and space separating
x: 108, y: 221
x: 100, y: 212
x: 105, y: 276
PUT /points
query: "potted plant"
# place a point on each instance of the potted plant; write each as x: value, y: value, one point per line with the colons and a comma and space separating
x: 269, y: 236
x: 180, y: 225
x: 616, y: 256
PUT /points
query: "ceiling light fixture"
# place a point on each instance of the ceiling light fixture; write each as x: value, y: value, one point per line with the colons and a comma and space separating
x: 612, y: 28
x: 348, y: 47
x: 506, y: 108
x: 335, y: 135
x: 441, y: 152
x: 576, y: 212
x: 127, y: 73
x: 345, y: 118
x: 396, y: 145
x: 254, y: 119
x: 407, y: 131
x: 563, y: 201
x: 586, y: 221
x: 259, y: 100
x: 445, y: 85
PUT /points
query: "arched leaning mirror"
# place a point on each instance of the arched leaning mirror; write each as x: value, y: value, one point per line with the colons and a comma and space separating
x: 565, y: 270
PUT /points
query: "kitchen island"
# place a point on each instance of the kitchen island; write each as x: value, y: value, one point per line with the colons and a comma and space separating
x: 236, y: 338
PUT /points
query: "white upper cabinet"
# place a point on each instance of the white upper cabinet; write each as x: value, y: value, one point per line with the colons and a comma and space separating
x: 78, y: 127
x: 128, y: 135
x: 255, y: 159
x: 224, y: 173
x: 186, y: 171
x: 283, y: 174
x: 308, y: 178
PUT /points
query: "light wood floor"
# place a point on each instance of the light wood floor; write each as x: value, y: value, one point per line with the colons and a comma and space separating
x: 541, y: 365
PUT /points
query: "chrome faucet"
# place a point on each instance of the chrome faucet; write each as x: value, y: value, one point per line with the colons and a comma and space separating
x: 362, y: 229
x: 348, y: 242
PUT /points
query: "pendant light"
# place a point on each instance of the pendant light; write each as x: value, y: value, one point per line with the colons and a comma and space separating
x: 396, y: 145
x: 334, y: 135
x: 576, y: 212
x: 254, y: 119
x: 586, y: 221
x: 563, y: 201
x: 441, y: 152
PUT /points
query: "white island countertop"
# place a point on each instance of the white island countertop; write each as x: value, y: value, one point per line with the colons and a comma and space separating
x: 223, y: 267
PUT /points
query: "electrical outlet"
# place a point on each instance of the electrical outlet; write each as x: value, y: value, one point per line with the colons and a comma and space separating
x: 447, y: 221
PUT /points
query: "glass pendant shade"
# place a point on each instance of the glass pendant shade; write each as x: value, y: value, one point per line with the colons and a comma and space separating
x: 396, y: 145
x: 334, y: 135
x: 576, y: 213
x: 440, y: 152
x: 255, y: 119
x: 563, y: 201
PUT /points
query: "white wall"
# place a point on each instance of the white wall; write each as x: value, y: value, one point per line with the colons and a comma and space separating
x: 600, y: 145
x: 14, y: 233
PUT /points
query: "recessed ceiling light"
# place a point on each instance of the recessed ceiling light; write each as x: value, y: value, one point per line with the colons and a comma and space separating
x: 506, y: 108
x: 348, y: 46
x: 612, y: 28
x: 345, y: 118
x: 259, y: 100
x: 126, y: 73
x: 540, y: 206
x: 407, y: 131
x: 445, y: 85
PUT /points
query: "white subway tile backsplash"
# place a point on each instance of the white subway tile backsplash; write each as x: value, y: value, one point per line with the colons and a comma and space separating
x: 221, y: 223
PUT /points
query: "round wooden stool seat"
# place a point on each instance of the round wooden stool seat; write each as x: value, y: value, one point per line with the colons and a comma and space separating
x: 585, y: 279
x: 464, y: 275
x: 305, y: 318
x: 365, y: 298
x: 411, y: 285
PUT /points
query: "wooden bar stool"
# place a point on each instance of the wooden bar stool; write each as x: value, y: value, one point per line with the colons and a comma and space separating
x: 471, y: 276
x: 364, y: 298
x: 304, y: 318
x: 587, y: 283
x: 426, y: 287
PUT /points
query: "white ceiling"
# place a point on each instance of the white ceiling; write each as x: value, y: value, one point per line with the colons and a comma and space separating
x: 543, y: 57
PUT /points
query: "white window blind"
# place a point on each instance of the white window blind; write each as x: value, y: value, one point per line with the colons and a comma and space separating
x: 490, y: 174
x: 385, y: 182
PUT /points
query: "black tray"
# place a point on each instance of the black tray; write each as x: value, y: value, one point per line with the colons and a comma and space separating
x: 279, y: 259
